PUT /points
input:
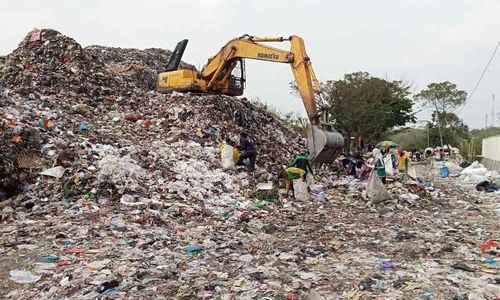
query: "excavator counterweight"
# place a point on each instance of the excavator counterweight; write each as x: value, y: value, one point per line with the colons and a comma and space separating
x: 224, y: 73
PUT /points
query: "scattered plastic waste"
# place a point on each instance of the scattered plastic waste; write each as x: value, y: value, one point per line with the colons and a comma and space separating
x: 76, y: 250
x: 387, y: 265
x: 488, y: 245
x: 145, y: 209
x: 444, y: 172
x: 49, y: 258
x: 56, y: 172
x: 193, y: 248
x: 20, y: 276
x: 83, y: 127
x: 491, y: 260
x: 463, y: 266
x: 426, y: 295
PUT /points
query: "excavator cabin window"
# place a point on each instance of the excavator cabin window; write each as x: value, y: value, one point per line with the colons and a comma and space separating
x: 236, y: 80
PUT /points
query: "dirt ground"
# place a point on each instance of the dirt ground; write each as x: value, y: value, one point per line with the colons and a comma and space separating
x: 340, y: 248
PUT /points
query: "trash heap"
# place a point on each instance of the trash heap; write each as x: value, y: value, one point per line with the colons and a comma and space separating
x: 476, y: 173
x: 82, y: 104
x: 110, y: 190
x: 48, y: 62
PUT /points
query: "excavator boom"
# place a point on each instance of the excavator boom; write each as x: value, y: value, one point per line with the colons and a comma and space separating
x: 217, y: 76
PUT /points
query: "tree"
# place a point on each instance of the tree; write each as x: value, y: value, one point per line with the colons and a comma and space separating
x: 442, y: 97
x: 367, y: 106
x: 409, y: 138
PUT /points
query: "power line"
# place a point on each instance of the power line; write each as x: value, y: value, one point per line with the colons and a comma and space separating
x: 481, y: 77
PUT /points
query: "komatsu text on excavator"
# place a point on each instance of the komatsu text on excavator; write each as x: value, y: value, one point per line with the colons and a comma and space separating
x: 224, y: 73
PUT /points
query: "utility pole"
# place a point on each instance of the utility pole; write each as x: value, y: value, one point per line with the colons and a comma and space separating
x: 485, y: 121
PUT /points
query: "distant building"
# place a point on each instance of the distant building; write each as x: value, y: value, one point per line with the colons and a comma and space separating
x: 491, y: 152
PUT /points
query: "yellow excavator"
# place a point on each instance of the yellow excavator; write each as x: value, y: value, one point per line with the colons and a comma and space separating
x: 224, y: 73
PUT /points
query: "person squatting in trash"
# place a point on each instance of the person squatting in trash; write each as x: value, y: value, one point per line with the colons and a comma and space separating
x: 360, y: 169
x: 236, y: 151
x: 297, y: 169
x: 303, y: 164
x: 247, y: 149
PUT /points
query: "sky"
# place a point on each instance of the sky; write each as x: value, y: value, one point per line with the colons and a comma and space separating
x: 418, y: 41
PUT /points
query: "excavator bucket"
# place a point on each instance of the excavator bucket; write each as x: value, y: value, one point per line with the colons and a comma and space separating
x: 324, y: 146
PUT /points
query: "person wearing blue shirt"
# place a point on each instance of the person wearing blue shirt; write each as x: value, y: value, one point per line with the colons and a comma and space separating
x: 247, y: 149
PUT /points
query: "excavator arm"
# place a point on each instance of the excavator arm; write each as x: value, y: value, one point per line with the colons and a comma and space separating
x: 217, y: 77
x: 219, y: 66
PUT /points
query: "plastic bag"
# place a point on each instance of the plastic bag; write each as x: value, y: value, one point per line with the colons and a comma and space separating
x: 389, y: 170
x: 444, y: 172
x: 20, y: 276
x: 412, y: 172
x: 376, y: 190
x: 227, y: 158
x: 474, y: 171
x: 300, y: 190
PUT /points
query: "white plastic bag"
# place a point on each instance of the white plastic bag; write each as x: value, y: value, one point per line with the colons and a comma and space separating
x: 474, y: 171
x: 473, y: 178
x: 300, y: 190
x: 412, y: 172
x: 20, y: 276
x: 227, y: 158
x: 376, y: 190
x: 389, y: 170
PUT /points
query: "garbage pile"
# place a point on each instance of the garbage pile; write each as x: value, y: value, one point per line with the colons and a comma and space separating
x: 48, y: 62
x: 115, y: 191
x: 476, y: 173
x: 136, y: 68
x: 80, y: 108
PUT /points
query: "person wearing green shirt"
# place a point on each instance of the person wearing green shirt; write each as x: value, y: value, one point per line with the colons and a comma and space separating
x: 379, y: 165
x: 303, y: 163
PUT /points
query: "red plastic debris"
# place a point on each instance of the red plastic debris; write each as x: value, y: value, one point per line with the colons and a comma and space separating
x: 133, y: 117
x: 16, y: 138
x: 76, y: 250
x: 35, y: 35
x: 63, y: 263
x: 488, y: 245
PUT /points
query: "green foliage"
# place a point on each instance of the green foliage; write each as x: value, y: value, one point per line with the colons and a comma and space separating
x: 455, y: 132
x: 292, y: 120
x: 410, y: 138
x: 295, y: 122
x: 477, y: 136
x: 367, y: 106
x: 442, y: 96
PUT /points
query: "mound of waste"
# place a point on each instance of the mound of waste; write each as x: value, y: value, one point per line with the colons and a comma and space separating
x: 49, y: 62
x: 86, y: 122
x: 110, y: 190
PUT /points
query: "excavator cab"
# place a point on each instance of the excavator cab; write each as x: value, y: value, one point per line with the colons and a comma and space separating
x: 235, y: 83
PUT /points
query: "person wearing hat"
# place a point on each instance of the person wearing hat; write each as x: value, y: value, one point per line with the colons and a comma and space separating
x: 379, y: 164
